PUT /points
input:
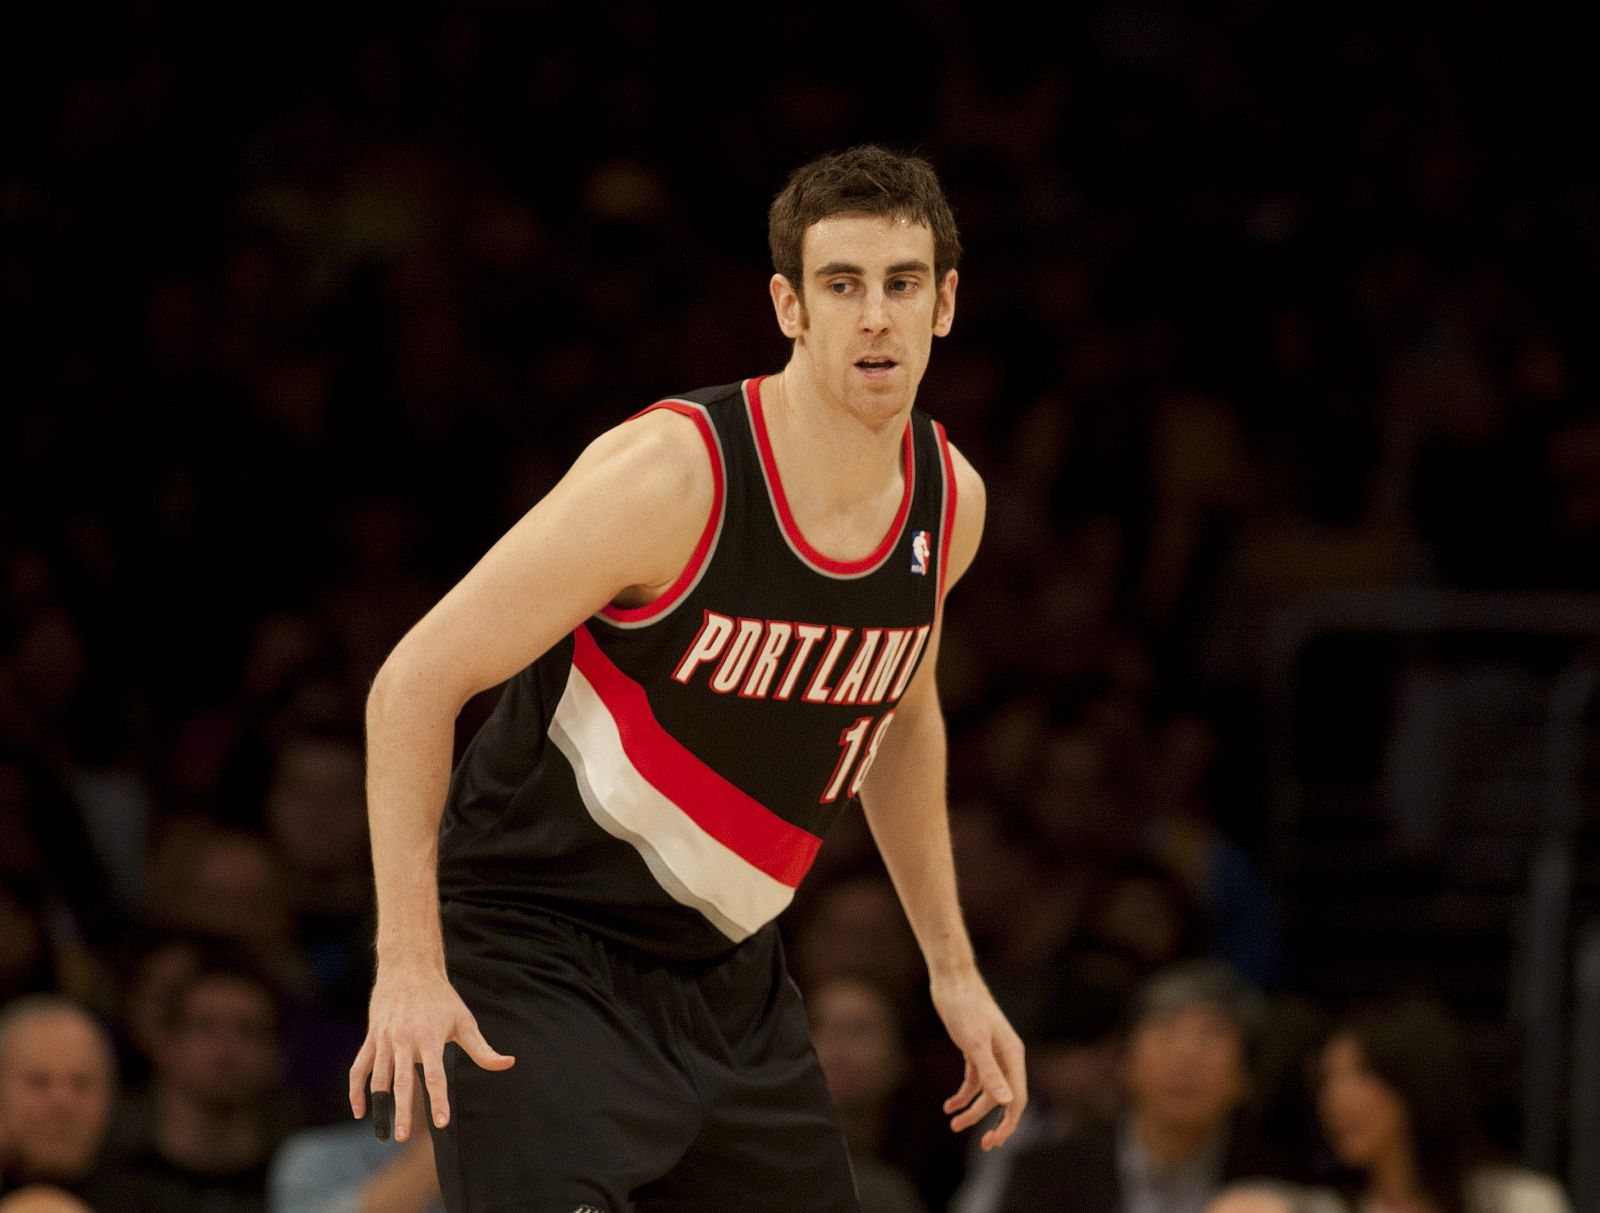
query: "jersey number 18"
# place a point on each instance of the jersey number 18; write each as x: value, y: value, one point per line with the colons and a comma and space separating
x: 851, y: 749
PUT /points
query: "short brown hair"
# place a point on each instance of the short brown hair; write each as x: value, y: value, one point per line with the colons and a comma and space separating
x: 865, y: 180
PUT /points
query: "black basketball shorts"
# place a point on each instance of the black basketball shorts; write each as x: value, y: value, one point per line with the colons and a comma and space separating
x: 639, y: 1087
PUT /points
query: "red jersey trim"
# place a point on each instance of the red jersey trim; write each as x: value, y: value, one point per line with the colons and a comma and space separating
x: 949, y: 507
x: 791, y: 529
x: 633, y: 616
x: 734, y: 818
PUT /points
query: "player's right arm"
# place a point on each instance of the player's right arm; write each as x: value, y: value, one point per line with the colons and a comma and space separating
x: 619, y: 526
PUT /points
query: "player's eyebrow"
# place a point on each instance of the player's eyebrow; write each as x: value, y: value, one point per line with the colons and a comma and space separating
x: 846, y: 267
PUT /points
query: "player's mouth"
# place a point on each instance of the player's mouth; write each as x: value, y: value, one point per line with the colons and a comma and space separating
x: 876, y: 368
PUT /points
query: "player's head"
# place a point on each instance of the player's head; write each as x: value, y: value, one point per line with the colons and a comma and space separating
x: 865, y: 249
x: 865, y: 180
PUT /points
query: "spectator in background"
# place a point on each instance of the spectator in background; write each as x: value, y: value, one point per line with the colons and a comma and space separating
x: 56, y: 1087
x: 1398, y: 1107
x: 155, y: 971
x: 316, y: 819
x: 86, y: 810
x: 1139, y: 907
x: 860, y: 1042
x: 229, y: 885
x: 47, y: 851
x: 1002, y: 865
x: 1280, y: 1120
x: 1185, y: 1077
x: 42, y: 1198
x: 27, y: 959
x: 1074, y: 1052
x: 855, y: 927
x: 1221, y: 878
x: 1262, y: 1198
x: 344, y: 1168
x: 214, y: 1113
x: 1078, y: 1047
x: 1080, y: 807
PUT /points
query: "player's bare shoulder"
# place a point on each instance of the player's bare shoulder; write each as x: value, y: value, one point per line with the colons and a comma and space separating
x: 657, y: 459
x: 657, y: 468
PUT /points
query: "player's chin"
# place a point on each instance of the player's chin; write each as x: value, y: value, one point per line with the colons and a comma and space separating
x: 879, y: 403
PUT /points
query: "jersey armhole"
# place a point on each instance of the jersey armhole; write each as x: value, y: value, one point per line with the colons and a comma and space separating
x: 649, y: 612
x: 948, y: 526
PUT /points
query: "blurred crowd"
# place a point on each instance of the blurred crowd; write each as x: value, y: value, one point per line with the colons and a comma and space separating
x: 1184, y: 1091
x: 303, y: 309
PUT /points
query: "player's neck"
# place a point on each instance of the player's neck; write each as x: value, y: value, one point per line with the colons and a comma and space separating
x: 824, y: 451
x: 842, y: 474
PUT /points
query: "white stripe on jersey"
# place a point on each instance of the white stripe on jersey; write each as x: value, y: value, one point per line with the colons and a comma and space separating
x: 694, y: 868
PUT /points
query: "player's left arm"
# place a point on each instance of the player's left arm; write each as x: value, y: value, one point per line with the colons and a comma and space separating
x: 903, y: 796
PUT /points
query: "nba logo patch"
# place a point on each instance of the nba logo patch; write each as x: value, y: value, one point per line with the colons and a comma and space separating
x: 919, y: 553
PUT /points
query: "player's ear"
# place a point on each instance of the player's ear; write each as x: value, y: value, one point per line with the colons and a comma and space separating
x: 944, y: 310
x: 788, y: 306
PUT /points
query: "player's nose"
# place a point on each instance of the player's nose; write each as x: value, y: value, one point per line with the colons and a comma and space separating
x: 874, y: 310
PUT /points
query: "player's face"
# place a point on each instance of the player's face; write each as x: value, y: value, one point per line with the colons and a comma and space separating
x: 871, y: 309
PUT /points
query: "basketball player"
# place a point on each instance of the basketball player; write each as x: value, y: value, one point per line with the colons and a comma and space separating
x: 720, y: 630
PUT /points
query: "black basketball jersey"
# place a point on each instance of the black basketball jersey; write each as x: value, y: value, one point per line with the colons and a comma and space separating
x: 665, y: 775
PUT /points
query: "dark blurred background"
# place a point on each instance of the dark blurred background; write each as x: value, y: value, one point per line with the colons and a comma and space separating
x: 1275, y: 347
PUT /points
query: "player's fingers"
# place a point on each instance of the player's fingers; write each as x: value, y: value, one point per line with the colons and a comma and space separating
x: 382, y: 1114
x: 382, y: 1065
x: 359, y: 1071
x: 994, y: 1079
x: 970, y: 1086
x: 476, y: 1047
x: 1013, y: 1059
x: 1010, y: 1054
x: 998, y: 1135
x: 382, y: 1089
x: 405, y: 1081
x: 438, y: 1097
x: 974, y: 1112
x: 996, y: 1090
x: 1001, y: 1133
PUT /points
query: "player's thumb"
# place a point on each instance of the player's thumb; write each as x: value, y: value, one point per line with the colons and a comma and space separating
x: 476, y: 1047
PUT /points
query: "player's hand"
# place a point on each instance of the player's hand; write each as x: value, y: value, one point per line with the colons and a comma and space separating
x: 413, y: 1014
x: 994, y: 1076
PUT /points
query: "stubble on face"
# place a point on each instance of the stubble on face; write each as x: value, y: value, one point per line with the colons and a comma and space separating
x: 868, y: 310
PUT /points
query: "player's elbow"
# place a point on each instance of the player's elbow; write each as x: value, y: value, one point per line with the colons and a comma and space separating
x: 411, y: 680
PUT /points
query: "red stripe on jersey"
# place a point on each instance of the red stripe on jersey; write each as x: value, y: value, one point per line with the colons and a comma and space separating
x: 741, y: 823
x: 949, y: 506
x: 702, y: 549
x: 786, y: 515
